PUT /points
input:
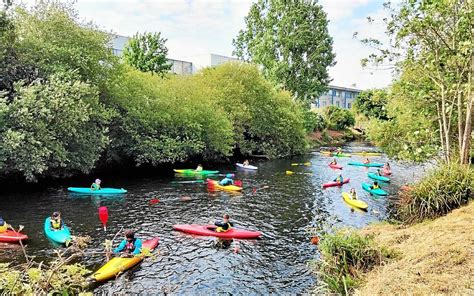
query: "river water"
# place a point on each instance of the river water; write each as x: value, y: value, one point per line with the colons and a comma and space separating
x: 276, y: 263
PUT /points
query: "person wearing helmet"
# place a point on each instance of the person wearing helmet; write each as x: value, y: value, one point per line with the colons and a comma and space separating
x: 227, y: 180
x: 96, y: 185
x: 56, y: 221
x: 225, y: 225
x: 4, y: 226
x: 130, y: 246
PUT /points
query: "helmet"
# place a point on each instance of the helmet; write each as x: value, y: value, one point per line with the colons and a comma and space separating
x: 230, y: 176
x: 56, y: 214
x: 98, y: 180
x: 2, y: 221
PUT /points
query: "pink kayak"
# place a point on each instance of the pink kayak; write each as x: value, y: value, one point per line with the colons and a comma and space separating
x: 208, y: 230
x: 330, y: 184
x: 336, y: 166
x: 386, y: 172
x: 11, y: 236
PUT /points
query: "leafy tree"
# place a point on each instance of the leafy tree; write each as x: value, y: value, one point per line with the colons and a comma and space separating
x: 313, y: 121
x: 290, y: 40
x: 372, y: 104
x: 53, y: 128
x: 147, y: 53
x: 434, y: 38
x: 338, y: 118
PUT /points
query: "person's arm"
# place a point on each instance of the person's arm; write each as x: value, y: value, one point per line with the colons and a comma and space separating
x: 219, y: 224
x: 138, y: 247
x: 120, y: 247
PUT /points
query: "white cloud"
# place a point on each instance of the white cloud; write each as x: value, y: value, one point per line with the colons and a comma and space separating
x: 339, y: 9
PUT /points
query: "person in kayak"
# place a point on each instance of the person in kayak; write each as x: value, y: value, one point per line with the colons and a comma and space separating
x: 130, y: 246
x: 246, y: 163
x: 96, y: 185
x: 199, y: 168
x: 353, y: 193
x: 4, y: 226
x: 387, y: 167
x: 56, y: 221
x: 339, y: 179
x: 333, y: 162
x: 339, y: 150
x: 375, y: 185
x: 366, y: 161
x: 225, y: 225
x: 227, y: 180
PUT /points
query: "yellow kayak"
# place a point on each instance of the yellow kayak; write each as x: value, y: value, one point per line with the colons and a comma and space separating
x: 354, y: 202
x: 215, y: 184
x: 367, y: 153
x: 118, y: 265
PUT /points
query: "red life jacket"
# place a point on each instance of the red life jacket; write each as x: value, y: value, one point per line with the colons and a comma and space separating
x: 130, y: 246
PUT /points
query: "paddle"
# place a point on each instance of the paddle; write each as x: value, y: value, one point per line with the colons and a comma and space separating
x: 104, y: 216
x: 301, y: 163
x: 186, y: 182
x: 154, y: 201
x: 255, y: 189
x: 293, y: 173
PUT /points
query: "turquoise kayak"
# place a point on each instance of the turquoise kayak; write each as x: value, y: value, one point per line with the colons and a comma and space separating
x: 62, y: 236
x: 194, y: 172
x: 372, y: 164
x: 377, y: 177
x: 85, y: 190
x: 379, y: 191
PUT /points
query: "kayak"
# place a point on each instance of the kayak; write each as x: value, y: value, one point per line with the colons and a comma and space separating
x: 331, y: 184
x: 247, y: 167
x: 367, y: 153
x: 85, y: 190
x: 336, y: 166
x: 11, y: 236
x: 215, y: 184
x: 354, y: 202
x: 377, y: 177
x: 194, y: 172
x: 379, y: 191
x: 208, y: 230
x: 371, y: 164
x: 341, y: 154
x: 62, y: 236
x: 118, y: 265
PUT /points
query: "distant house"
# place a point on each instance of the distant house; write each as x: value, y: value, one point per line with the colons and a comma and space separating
x: 338, y: 96
x: 180, y: 67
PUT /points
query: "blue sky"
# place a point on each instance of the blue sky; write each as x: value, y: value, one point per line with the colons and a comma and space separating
x: 195, y: 27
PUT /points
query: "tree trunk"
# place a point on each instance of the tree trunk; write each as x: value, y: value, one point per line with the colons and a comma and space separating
x: 466, y: 140
x: 445, y: 124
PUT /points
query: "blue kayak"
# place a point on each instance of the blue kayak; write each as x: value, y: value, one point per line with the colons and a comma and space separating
x: 379, y: 191
x: 371, y: 164
x: 85, y: 190
x: 62, y: 236
x: 377, y: 177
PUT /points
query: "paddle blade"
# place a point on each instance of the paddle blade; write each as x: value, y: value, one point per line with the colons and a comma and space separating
x: 154, y: 201
x: 289, y: 172
x: 295, y: 164
x: 238, y: 183
x: 103, y: 215
x: 307, y: 163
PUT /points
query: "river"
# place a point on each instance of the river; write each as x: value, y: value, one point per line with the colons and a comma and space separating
x: 276, y: 263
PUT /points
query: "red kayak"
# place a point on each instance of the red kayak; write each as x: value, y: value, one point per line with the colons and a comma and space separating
x: 336, y: 166
x: 11, y: 236
x: 330, y: 184
x: 208, y: 230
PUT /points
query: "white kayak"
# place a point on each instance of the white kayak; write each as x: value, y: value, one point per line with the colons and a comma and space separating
x: 247, y: 167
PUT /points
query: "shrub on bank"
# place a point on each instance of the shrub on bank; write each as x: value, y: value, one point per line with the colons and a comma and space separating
x: 444, y: 189
x: 344, y: 256
x: 338, y: 118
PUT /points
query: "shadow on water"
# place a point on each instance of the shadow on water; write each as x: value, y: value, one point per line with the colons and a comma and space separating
x: 187, y: 264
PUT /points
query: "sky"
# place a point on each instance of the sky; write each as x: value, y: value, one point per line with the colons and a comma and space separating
x: 196, y: 27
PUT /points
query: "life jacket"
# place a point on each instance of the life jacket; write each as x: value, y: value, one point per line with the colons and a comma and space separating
x: 130, y: 246
x: 375, y: 186
x: 354, y: 195
x: 56, y: 224
x: 220, y: 229
x: 4, y: 227
x: 226, y: 181
x: 95, y: 186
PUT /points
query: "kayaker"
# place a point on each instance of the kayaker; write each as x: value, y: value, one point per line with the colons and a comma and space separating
x: 387, y: 167
x: 56, y: 221
x: 333, y: 162
x: 339, y: 179
x: 366, y: 161
x: 130, y: 246
x: 96, y: 184
x: 246, y: 163
x: 225, y: 225
x: 227, y: 180
x: 4, y: 226
x: 375, y: 185
x: 199, y: 168
x: 353, y: 193
x: 339, y: 150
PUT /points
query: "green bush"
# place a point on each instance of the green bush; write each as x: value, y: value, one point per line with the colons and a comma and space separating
x: 338, y: 118
x: 344, y: 255
x: 313, y: 121
x: 442, y: 190
x: 372, y: 104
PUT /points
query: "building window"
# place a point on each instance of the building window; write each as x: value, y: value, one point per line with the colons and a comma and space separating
x: 348, y: 105
x: 337, y: 103
x: 324, y: 103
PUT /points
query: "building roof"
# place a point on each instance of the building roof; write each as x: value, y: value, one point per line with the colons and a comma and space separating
x: 344, y: 88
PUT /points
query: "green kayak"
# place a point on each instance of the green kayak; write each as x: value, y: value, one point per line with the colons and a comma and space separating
x: 194, y: 172
x: 377, y: 177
